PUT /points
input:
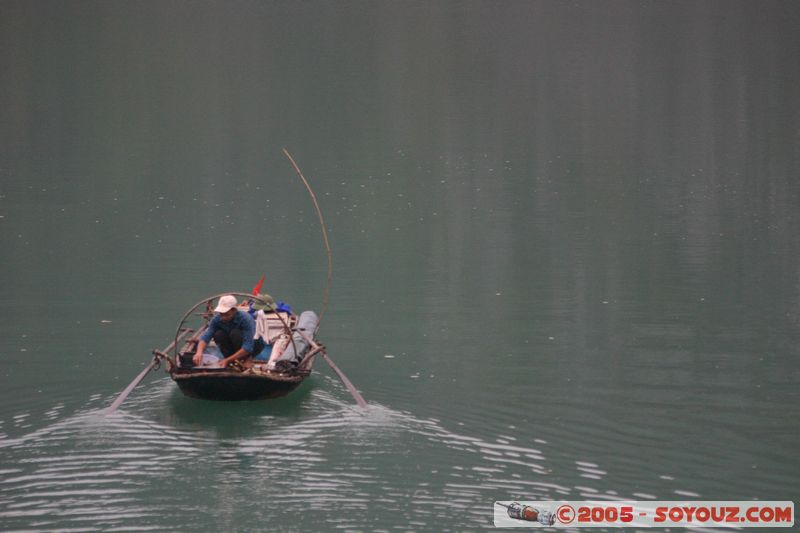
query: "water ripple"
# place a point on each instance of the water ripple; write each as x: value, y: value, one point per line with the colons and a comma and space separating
x: 167, y: 463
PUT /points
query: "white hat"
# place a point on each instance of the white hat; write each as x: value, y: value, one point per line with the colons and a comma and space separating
x: 225, y: 304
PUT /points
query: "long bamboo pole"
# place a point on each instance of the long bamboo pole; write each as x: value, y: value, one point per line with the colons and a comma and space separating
x: 347, y: 383
x: 325, y: 240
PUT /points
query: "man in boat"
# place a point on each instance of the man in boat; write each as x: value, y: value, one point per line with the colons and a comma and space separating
x: 233, y: 330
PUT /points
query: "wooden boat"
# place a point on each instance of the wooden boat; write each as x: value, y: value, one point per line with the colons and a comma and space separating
x: 252, y: 379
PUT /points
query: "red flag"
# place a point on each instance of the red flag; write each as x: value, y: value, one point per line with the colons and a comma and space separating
x: 257, y: 288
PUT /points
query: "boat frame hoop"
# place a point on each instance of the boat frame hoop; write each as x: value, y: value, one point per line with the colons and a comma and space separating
x: 207, y: 301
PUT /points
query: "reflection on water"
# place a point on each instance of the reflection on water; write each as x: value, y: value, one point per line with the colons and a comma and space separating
x: 312, y: 453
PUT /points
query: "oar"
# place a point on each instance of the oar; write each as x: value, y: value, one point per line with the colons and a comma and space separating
x: 158, y: 355
x: 320, y: 349
x: 124, y: 394
x: 356, y: 396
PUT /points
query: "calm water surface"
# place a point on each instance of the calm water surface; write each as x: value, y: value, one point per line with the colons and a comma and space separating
x: 564, y: 236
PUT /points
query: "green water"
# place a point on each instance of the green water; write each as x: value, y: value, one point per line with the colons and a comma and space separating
x: 564, y: 239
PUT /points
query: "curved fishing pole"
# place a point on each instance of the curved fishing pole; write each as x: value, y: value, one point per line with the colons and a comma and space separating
x: 347, y: 383
x: 324, y: 230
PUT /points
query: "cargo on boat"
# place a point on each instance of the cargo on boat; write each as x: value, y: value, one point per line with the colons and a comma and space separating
x: 289, y: 348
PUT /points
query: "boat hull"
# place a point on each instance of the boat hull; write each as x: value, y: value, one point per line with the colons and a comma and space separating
x: 235, y: 386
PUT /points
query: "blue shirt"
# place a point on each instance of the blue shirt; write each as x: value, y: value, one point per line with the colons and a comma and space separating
x: 241, y: 321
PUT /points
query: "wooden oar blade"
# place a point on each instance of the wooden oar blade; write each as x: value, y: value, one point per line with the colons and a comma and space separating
x: 356, y: 396
x: 124, y: 394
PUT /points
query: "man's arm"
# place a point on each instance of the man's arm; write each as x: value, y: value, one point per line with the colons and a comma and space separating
x: 239, y: 354
x: 204, y: 339
x: 198, y: 356
x: 248, y: 341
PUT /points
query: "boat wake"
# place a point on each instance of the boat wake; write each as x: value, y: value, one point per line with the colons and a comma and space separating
x: 165, y: 463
